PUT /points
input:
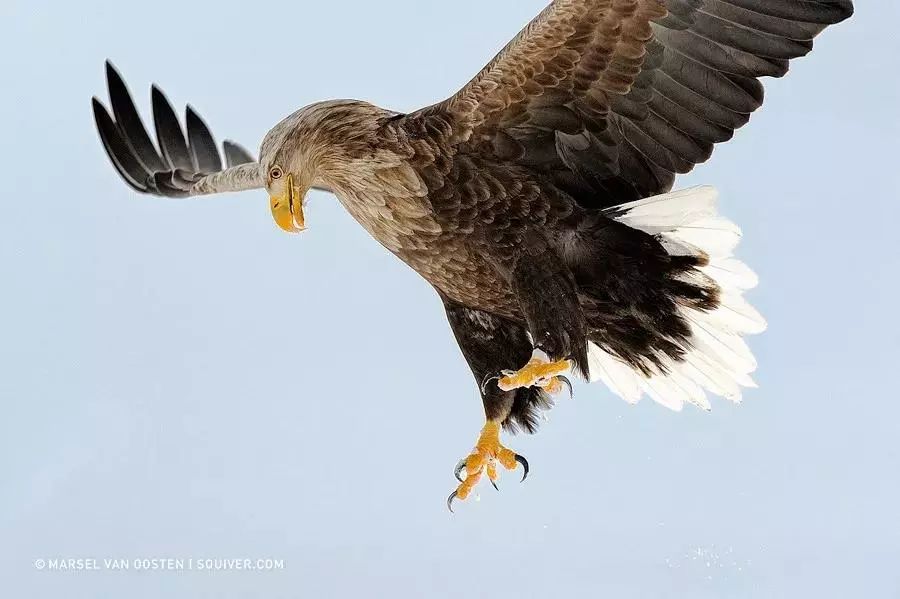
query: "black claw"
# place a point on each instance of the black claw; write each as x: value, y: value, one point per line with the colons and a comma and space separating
x: 459, y: 470
x: 565, y: 381
x: 450, y: 501
x: 494, y: 484
x: 487, y: 380
x: 524, y: 464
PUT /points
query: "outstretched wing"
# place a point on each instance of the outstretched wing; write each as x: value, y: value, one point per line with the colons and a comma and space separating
x: 183, y: 166
x: 613, y: 98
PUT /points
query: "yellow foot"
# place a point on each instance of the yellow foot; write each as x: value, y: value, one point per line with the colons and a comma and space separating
x: 487, y: 454
x: 539, y: 372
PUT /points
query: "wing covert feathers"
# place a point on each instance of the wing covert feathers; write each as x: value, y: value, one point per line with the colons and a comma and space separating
x: 613, y: 98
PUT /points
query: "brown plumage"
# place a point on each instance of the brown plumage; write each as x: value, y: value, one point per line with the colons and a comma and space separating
x: 524, y: 198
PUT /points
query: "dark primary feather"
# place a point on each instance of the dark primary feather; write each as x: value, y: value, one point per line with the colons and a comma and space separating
x: 168, y: 132
x: 235, y: 154
x: 613, y: 98
x: 129, y: 122
x: 202, y: 145
x: 180, y: 162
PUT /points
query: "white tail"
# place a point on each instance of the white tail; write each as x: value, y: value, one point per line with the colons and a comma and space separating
x: 717, y: 360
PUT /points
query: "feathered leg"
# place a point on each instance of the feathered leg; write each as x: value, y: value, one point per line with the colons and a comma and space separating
x: 548, y: 295
x: 490, y: 343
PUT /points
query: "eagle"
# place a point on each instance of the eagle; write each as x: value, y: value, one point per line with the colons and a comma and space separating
x: 537, y: 200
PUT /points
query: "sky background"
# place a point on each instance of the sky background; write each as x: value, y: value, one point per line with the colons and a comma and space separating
x: 181, y: 379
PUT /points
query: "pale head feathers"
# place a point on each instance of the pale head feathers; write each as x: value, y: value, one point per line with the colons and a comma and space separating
x: 317, y: 143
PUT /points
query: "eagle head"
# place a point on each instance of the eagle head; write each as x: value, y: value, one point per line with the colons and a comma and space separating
x: 313, y: 149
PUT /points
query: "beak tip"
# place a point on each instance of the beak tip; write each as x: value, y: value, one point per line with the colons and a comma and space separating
x: 288, y: 213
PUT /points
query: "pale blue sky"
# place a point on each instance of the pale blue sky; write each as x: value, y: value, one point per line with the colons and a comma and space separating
x: 181, y: 379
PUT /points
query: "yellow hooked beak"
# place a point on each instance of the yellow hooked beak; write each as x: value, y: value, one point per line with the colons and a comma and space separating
x: 287, y: 209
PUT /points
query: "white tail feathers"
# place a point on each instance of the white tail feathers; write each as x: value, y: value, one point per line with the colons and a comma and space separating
x: 717, y: 358
x: 731, y: 274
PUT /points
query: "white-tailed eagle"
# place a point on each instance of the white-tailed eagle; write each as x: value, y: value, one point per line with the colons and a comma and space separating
x: 537, y: 200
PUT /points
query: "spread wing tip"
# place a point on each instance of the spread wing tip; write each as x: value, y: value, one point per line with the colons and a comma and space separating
x: 181, y: 160
x: 117, y: 151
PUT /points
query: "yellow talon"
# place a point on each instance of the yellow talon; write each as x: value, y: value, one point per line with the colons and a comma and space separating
x: 538, y: 372
x: 487, y: 454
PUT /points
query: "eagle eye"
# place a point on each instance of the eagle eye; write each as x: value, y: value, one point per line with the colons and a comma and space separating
x: 276, y: 173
